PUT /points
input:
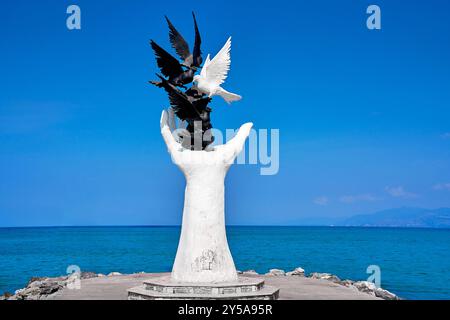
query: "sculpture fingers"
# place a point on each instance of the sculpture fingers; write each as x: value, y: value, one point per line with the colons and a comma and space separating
x: 232, y: 148
x: 182, y: 124
x: 171, y: 120
x: 164, y: 119
x: 237, y: 143
x: 170, y: 141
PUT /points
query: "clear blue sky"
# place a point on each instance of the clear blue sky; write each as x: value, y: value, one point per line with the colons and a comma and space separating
x: 364, y: 116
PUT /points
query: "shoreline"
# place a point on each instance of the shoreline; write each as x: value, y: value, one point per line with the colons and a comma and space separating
x: 293, y: 284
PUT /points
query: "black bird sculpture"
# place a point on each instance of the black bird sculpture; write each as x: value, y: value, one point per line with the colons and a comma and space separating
x: 191, y: 107
x: 169, y: 66
x: 179, y: 74
x: 191, y: 60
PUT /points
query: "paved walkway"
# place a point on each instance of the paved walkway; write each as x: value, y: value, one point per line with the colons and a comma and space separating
x: 291, y: 288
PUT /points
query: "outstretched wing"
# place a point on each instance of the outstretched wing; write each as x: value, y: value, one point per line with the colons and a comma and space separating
x: 179, y: 101
x: 178, y: 43
x: 217, y: 69
x: 205, y: 66
x: 170, y: 67
x: 197, y: 52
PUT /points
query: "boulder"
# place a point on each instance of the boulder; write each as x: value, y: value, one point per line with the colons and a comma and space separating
x: 299, y: 272
x: 386, y: 295
x: 366, y: 287
x: 73, y: 281
x: 39, y: 288
x: 114, y: 274
x: 325, y: 276
x: 370, y: 288
x: 276, y: 272
x: 347, y: 283
x: 33, y: 279
x: 6, y: 296
x: 88, y: 275
x: 50, y: 287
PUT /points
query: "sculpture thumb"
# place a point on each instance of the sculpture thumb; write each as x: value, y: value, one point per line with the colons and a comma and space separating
x: 239, y: 140
x: 163, y: 120
x: 166, y: 133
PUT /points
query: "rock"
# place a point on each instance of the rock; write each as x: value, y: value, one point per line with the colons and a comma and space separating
x: 347, y: 283
x: 250, y: 272
x: 6, y: 296
x: 114, y: 274
x: 325, y: 276
x: 386, y: 295
x: 362, y: 286
x: 370, y: 288
x: 50, y: 287
x: 239, y: 272
x: 88, y: 275
x: 366, y: 287
x: 101, y: 275
x: 299, y: 272
x: 39, y: 288
x: 276, y: 272
x: 33, y: 279
x: 73, y: 281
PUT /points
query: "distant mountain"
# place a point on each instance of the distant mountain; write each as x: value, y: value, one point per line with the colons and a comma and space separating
x: 402, y: 217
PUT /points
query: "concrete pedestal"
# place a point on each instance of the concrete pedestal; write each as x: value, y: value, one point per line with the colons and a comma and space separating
x: 164, y: 288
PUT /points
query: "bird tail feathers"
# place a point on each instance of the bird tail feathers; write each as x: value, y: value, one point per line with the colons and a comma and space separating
x: 228, y: 96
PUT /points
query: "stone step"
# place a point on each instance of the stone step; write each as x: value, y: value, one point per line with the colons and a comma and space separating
x: 141, y: 293
x: 166, y: 285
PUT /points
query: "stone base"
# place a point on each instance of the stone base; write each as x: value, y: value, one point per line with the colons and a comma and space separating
x: 163, y: 288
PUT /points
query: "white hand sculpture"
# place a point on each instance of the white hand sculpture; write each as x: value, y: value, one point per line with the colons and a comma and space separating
x: 203, y: 254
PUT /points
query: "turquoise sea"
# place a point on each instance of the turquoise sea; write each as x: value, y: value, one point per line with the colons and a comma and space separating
x: 415, y: 263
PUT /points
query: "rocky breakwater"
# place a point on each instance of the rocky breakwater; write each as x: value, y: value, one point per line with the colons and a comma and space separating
x: 362, y: 286
x: 41, y: 288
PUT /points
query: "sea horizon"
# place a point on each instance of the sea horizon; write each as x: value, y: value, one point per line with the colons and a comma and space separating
x: 228, y: 225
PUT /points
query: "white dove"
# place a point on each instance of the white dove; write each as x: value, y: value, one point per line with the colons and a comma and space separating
x: 214, y: 73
